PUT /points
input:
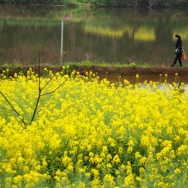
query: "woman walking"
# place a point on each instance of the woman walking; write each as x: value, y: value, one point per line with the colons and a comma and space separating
x: 178, y: 50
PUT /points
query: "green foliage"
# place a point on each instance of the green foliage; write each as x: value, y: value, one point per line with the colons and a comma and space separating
x: 95, y: 2
x: 108, y: 2
x: 121, y: 3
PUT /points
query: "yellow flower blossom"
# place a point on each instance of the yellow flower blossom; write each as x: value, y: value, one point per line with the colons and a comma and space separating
x: 91, y: 132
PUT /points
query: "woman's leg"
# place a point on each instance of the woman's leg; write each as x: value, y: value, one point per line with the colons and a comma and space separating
x: 175, y: 60
x: 179, y: 59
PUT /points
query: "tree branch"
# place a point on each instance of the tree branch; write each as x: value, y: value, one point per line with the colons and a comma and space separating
x: 36, y: 106
x: 55, y: 89
x: 12, y: 107
x: 47, y: 82
x: 39, y: 90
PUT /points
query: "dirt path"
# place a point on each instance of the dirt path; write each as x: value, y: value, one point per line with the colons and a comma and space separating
x: 113, y: 73
x: 145, y: 73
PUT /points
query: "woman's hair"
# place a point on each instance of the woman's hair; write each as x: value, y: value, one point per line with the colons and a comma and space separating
x: 177, y: 36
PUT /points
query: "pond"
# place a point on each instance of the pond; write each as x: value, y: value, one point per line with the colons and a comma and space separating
x: 115, y: 36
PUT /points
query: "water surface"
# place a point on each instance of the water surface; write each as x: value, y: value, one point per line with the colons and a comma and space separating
x: 125, y: 36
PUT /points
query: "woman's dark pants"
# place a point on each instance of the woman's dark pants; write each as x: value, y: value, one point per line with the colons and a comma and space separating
x: 178, y: 57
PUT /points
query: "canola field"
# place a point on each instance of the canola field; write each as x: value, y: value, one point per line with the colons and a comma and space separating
x: 88, y: 133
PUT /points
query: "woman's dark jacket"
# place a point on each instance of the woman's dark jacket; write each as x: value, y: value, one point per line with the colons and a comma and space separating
x: 178, y: 46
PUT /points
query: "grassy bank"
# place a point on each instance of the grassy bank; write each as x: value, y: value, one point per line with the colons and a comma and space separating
x: 113, y: 73
x: 101, y: 68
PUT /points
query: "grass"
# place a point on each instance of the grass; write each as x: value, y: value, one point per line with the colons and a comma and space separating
x: 82, y: 63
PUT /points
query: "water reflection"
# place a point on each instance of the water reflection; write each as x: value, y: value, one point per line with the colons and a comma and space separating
x: 110, y: 35
x: 152, y: 87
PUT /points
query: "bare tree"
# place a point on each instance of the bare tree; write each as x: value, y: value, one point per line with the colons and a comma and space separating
x: 39, y: 95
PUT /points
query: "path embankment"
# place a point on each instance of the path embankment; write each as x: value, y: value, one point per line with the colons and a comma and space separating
x: 114, y: 72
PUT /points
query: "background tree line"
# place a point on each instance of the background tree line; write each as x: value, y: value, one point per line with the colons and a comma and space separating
x: 107, y: 3
x: 139, y: 3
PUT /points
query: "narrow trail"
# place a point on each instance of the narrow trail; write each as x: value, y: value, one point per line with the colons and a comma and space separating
x: 114, y: 73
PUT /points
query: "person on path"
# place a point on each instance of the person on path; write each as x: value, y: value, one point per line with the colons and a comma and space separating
x: 178, y: 50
